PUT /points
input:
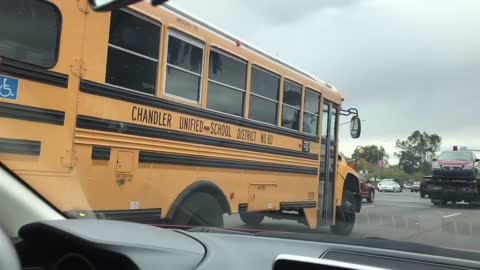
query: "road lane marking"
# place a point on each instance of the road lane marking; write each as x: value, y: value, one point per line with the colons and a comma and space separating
x: 368, y: 206
x: 452, y: 215
x: 413, y: 206
x: 430, y: 207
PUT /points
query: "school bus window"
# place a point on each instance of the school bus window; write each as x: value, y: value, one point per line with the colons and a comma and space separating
x: 184, y: 67
x: 227, y: 78
x: 133, y: 47
x: 30, y: 31
x: 333, y: 120
x: 264, y: 96
x: 310, y: 116
x: 325, y: 120
x: 292, y: 97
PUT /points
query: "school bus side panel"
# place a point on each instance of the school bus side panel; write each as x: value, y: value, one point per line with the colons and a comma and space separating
x: 52, y: 97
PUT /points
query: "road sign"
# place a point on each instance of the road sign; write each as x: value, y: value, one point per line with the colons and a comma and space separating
x: 381, y: 163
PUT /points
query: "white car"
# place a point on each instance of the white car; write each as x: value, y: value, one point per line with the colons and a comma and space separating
x: 408, y: 185
x: 389, y: 185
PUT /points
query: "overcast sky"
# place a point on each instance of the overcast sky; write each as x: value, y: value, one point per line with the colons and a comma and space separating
x: 405, y: 64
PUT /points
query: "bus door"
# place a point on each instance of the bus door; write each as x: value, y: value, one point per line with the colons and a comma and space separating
x: 328, y: 164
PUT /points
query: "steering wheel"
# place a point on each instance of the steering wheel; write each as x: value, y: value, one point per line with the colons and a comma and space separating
x: 8, y: 255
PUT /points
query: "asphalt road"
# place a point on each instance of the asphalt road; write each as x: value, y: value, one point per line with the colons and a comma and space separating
x: 400, y: 216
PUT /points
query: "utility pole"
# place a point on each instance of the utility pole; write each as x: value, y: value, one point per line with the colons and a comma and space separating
x: 378, y: 165
x: 378, y: 161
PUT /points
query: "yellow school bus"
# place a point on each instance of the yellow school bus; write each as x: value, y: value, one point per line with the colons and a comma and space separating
x: 147, y: 114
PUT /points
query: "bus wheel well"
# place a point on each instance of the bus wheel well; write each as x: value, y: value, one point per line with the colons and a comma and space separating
x: 351, y: 183
x: 207, y: 187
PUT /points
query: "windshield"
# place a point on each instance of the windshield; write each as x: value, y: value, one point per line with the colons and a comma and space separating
x: 462, y: 156
x: 233, y: 114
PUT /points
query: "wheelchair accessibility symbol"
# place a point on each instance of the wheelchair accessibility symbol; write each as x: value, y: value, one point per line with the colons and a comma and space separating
x: 8, y: 87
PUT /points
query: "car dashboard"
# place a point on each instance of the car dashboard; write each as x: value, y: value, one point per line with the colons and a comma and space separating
x: 103, y: 244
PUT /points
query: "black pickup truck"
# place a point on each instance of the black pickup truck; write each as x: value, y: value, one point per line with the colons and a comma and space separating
x: 424, y: 186
x: 455, y: 178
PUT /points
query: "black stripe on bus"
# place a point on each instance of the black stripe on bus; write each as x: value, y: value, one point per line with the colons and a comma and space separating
x: 30, y: 72
x: 88, y: 122
x: 20, y: 147
x: 100, y: 153
x: 33, y: 114
x: 297, y: 205
x: 161, y: 158
x: 139, y: 98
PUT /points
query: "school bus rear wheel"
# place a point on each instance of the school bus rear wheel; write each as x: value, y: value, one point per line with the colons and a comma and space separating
x: 199, y: 209
x: 252, y: 218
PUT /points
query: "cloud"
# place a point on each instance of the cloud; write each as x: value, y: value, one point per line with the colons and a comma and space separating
x: 287, y: 11
x: 405, y: 64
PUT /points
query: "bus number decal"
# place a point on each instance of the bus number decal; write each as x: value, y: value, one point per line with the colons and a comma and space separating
x: 266, y: 138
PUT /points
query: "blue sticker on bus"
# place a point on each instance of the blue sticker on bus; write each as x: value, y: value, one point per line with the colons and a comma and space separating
x: 8, y: 87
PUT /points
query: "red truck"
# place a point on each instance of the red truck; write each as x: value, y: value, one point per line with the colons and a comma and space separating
x: 367, y: 191
x: 455, y: 178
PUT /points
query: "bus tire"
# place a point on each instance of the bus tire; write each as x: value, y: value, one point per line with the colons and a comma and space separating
x: 199, y: 209
x: 345, y: 215
x: 252, y: 219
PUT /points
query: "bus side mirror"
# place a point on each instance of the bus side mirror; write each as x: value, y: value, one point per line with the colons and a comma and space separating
x: 355, y: 127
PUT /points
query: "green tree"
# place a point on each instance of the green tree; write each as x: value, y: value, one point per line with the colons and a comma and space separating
x: 418, y: 176
x: 363, y: 165
x: 373, y: 153
x: 417, y: 151
x: 394, y: 172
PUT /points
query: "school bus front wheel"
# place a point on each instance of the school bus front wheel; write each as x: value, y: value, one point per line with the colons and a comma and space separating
x: 345, y: 215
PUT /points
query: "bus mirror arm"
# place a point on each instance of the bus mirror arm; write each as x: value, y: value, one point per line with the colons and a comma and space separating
x: 355, y: 122
x: 108, y: 5
x: 349, y: 112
